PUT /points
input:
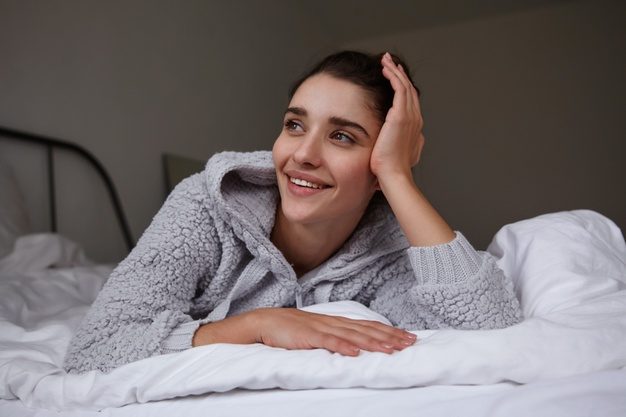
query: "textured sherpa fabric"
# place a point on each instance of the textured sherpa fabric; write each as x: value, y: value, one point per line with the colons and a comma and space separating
x: 207, y: 255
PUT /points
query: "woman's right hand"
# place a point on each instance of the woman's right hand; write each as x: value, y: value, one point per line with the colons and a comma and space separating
x: 290, y: 328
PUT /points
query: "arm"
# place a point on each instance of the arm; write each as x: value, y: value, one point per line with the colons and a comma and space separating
x: 141, y: 310
x: 291, y: 328
x: 398, y: 148
x: 451, y: 284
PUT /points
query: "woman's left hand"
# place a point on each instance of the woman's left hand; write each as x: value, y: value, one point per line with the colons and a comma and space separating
x: 400, y: 140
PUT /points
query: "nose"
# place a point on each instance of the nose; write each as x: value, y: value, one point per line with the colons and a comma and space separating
x: 309, y: 150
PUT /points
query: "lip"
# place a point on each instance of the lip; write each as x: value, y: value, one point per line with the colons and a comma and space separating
x: 306, y: 177
x: 298, y: 191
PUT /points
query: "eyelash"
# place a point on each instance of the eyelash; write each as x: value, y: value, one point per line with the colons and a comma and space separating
x: 292, y: 125
x: 289, y: 123
x: 350, y: 140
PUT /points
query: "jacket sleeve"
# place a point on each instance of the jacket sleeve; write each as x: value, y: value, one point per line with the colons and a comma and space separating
x: 142, y: 310
x: 448, y: 286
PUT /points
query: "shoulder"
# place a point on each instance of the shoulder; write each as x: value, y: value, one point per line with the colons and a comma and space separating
x: 191, y: 188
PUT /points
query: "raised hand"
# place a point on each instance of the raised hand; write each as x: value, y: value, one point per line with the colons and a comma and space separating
x: 400, y: 140
x: 397, y: 149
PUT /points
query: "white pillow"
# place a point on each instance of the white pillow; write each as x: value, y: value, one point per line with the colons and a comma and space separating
x: 560, y: 260
x: 13, y: 216
x: 347, y: 308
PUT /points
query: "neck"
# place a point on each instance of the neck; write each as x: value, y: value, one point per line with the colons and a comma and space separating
x: 306, y: 246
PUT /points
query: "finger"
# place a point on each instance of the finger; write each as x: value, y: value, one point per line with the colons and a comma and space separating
x: 407, y: 90
x: 398, y: 69
x: 411, y: 87
x: 362, y: 340
x: 414, y: 102
x: 340, y: 328
x: 396, y: 338
x: 373, y: 337
x: 334, y: 344
x: 390, y: 331
x: 388, y: 61
x: 393, y: 71
x: 394, y: 78
x: 367, y: 334
x: 399, y: 96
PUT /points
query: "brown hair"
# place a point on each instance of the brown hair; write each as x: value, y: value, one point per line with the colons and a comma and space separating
x: 362, y: 69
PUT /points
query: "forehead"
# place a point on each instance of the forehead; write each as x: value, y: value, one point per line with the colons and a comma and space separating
x: 323, y: 95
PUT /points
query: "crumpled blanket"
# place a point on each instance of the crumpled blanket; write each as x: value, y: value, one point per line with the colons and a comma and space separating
x: 569, y: 271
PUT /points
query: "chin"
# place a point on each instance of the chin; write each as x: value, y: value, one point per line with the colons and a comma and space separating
x: 296, y: 214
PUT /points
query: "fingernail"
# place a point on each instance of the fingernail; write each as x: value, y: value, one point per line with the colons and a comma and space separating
x: 410, y: 336
x: 386, y: 345
x: 408, y: 342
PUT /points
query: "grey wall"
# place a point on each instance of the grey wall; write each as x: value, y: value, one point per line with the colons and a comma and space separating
x: 130, y: 80
x: 523, y: 109
x: 524, y: 113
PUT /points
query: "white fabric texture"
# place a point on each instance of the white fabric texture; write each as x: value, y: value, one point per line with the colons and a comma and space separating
x: 561, y: 261
x: 595, y: 394
x: 569, y: 269
x: 14, y: 220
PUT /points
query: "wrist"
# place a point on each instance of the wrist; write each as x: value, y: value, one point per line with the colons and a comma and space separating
x: 240, y: 329
x: 254, y: 325
x: 395, y: 179
x: 420, y: 222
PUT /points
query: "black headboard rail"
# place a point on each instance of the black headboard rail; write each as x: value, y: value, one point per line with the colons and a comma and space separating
x: 52, y: 143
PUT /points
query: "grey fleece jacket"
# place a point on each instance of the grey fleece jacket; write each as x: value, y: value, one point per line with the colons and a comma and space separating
x: 207, y: 255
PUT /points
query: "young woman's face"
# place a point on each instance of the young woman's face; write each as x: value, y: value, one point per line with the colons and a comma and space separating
x: 322, y: 155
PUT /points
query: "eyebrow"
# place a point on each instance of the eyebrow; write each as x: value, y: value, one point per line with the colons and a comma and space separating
x: 337, y: 121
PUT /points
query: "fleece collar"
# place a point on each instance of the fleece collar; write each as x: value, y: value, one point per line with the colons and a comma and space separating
x: 243, y: 187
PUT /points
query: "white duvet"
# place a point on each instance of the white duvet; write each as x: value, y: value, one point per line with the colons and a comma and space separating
x: 569, y: 270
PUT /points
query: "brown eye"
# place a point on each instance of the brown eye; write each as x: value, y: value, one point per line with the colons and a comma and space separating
x: 291, y: 125
x: 342, y: 138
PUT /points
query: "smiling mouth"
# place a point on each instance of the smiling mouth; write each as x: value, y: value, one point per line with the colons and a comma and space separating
x: 307, y: 184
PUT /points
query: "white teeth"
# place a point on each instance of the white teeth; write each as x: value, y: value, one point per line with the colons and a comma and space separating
x: 304, y: 183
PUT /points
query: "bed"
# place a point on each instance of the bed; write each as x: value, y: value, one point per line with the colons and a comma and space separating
x: 567, y: 358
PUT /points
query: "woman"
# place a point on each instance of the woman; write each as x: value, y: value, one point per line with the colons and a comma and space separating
x: 331, y: 214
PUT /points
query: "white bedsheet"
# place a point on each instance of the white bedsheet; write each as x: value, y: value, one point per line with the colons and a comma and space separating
x: 570, y: 273
x: 591, y: 395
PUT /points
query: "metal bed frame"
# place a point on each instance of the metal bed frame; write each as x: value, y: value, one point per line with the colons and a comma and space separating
x: 51, y: 144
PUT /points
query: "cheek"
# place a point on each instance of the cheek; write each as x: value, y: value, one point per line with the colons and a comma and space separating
x: 357, y: 173
x: 279, y: 151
